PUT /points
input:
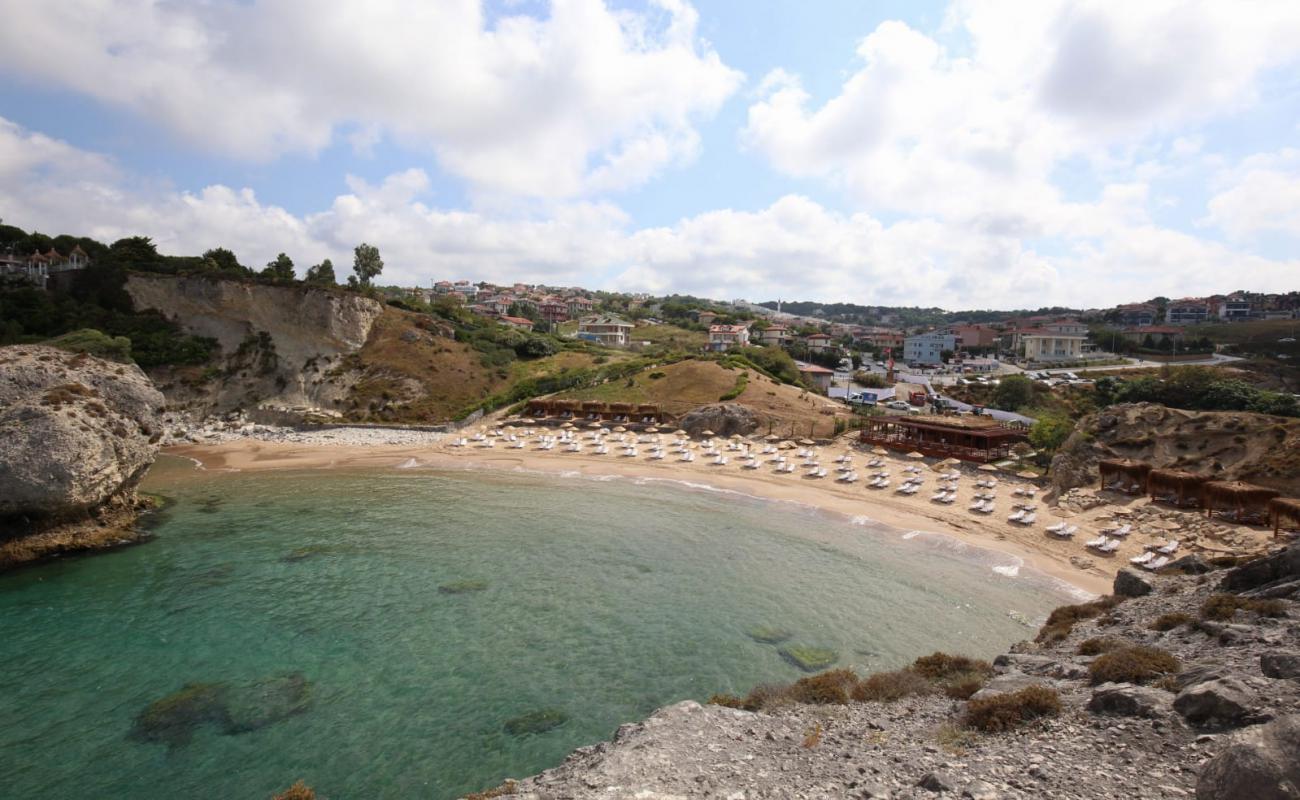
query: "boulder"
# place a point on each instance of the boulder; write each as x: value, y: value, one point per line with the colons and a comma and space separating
x: 1190, y: 564
x: 1280, y: 567
x: 1130, y: 584
x: 1010, y: 681
x: 75, y: 430
x: 1280, y: 664
x: 724, y: 419
x: 936, y: 782
x: 1128, y: 700
x: 1263, y: 763
x: 1223, y: 701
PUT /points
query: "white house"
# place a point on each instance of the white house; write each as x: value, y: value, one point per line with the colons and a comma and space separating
x: 1048, y: 346
x: 606, y: 329
x: 776, y: 334
x: 724, y: 337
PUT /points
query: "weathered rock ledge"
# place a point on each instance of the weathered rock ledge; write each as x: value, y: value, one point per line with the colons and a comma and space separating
x: 76, y: 435
x: 1225, y: 725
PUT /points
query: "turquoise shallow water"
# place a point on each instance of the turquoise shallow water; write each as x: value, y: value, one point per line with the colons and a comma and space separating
x: 598, y: 600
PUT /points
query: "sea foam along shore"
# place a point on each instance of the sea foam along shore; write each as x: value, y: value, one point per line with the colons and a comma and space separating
x: 365, y: 448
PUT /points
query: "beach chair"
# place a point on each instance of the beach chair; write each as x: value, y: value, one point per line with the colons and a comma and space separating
x: 977, y: 505
x: 949, y: 498
x: 1057, y: 528
x: 988, y: 507
x: 1143, y: 559
x: 1096, y: 543
x: 1156, y: 563
x: 1016, y: 516
x: 1029, y: 518
x: 1169, y: 549
x: 937, y: 496
x: 720, y: 461
x: 750, y: 465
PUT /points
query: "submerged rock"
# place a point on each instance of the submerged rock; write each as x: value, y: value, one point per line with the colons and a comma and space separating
x: 809, y: 659
x: 173, y: 720
x: 462, y: 587
x: 534, y: 722
x: 230, y: 709
x: 766, y: 634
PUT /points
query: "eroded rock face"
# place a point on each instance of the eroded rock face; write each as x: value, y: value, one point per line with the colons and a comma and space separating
x: 1263, y: 764
x: 74, y: 430
x: 723, y: 419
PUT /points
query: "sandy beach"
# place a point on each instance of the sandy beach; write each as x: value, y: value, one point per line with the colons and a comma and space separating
x: 917, y: 512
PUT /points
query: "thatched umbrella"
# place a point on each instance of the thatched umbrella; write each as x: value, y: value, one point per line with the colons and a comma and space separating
x: 528, y: 421
x: 1027, y: 475
x: 880, y: 451
x: 915, y: 454
x: 652, y: 429
x: 1244, y: 500
x: 1284, y: 511
x: 680, y: 432
x: 593, y: 425
x: 771, y: 437
x: 988, y: 468
x: 787, y: 445
x: 735, y: 436
x: 620, y: 429
x: 1177, y: 486
x: 1124, y: 474
x: 807, y: 442
x: 707, y: 434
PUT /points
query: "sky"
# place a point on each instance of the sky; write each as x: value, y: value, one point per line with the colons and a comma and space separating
x: 964, y: 154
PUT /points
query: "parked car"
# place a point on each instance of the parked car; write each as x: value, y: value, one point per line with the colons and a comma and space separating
x: 898, y: 405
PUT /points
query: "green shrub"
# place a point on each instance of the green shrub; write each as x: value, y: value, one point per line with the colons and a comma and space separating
x: 742, y: 380
x: 95, y: 343
x: 1006, y: 711
x: 1167, y: 622
x: 1133, y: 664
x: 886, y: 687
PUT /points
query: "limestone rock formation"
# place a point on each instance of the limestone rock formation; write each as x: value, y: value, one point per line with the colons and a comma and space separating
x: 724, y: 419
x: 1224, y: 445
x: 74, y: 430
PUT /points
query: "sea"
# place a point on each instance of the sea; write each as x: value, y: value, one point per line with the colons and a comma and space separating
x: 416, y: 632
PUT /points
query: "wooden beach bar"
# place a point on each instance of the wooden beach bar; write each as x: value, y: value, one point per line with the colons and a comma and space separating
x: 980, y: 439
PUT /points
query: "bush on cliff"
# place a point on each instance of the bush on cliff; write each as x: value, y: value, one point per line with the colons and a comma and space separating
x: 1134, y: 664
x: 1003, y: 712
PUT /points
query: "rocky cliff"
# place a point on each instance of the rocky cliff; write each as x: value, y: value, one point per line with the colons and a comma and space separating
x: 76, y: 434
x: 1225, y: 445
x: 276, y: 341
x: 1174, y: 686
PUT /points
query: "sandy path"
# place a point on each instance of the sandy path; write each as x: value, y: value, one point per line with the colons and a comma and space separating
x: 916, y: 512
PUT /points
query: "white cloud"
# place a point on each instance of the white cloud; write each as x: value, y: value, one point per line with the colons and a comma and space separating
x: 1262, y: 196
x: 972, y: 130
x: 585, y: 100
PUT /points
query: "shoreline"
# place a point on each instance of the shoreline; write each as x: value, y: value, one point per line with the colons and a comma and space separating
x: 1030, y: 546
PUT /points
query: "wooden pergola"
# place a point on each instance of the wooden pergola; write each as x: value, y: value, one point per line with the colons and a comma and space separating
x: 1284, y: 511
x: 595, y: 411
x: 967, y: 438
x: 1124, y: 475
x: 1244, y: 501
x: 1176, y: 486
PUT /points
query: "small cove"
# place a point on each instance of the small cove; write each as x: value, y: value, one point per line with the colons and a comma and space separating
x: 452, y: 628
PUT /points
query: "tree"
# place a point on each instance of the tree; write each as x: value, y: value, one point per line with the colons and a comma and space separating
x: 366, y: 263
x: 281, y: 269
x: 1050, y: 431
x: 322, y: 274
x: 1013, y: 393
x: 225, y: 262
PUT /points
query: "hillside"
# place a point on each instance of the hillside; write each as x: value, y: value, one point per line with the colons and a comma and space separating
x: 681, y: 387
x: 1226, y: 445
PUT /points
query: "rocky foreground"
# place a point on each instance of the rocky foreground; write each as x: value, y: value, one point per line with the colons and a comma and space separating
x: 76, y: 435
x: 1175, y: 686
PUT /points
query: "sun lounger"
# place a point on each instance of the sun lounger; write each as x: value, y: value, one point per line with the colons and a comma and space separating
x: 1028, y: 519
x: 1098, y: 542
x: 1143, y: 559
x: 1016, y: 516
x: 1157, y: 563
x: 937, y: 496
x: 1169, y: 549
x: 1057, y: 528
